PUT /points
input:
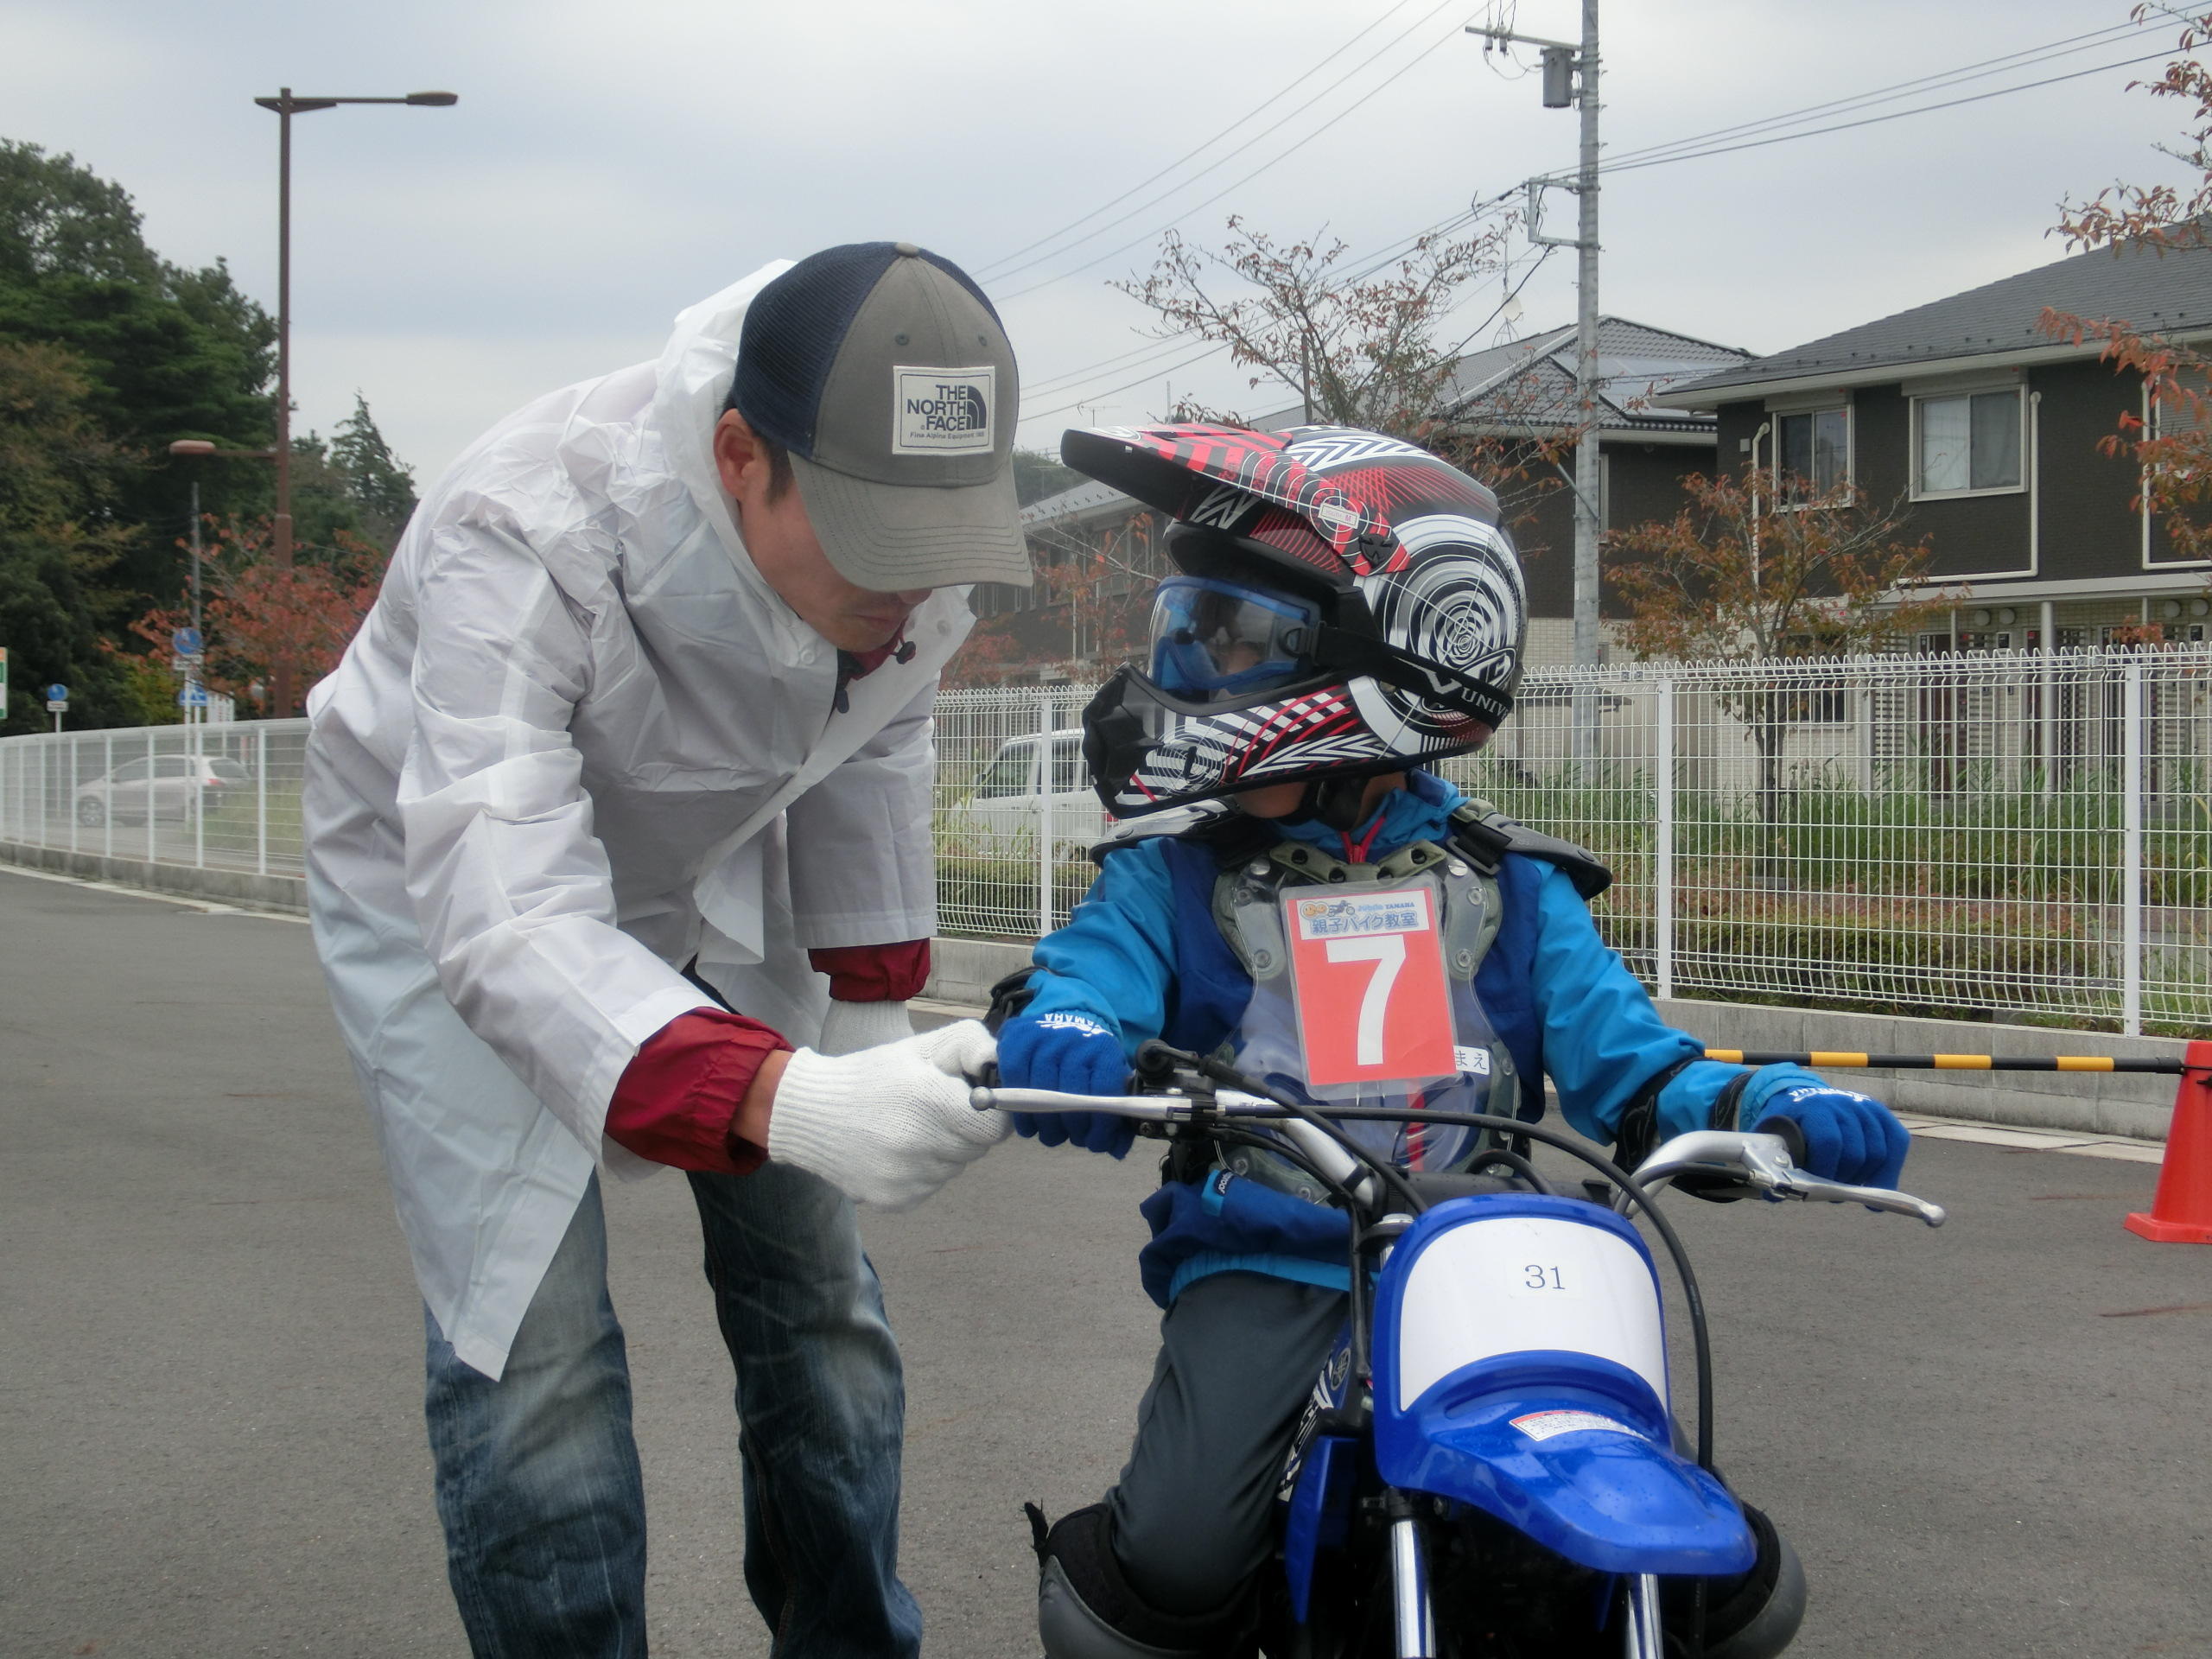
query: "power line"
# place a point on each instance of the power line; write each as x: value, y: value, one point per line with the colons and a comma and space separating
x: 1197, y: 357
x: 1875, y: 120
x: 1511, y: 294
x: 2024, y: 57
x: 1228, y: 189
x: 1005, y: 271
x: 1052, y: 236
x: 1154, y: 346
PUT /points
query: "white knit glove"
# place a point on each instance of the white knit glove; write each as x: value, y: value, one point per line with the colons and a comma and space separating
x: 887, y: 1126
x: 851, y: 1026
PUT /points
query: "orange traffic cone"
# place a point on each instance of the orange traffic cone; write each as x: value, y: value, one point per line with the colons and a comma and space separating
x: 2182, y: 1212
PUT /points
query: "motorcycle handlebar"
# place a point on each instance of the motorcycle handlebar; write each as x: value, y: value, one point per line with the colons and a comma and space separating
x: 1766, y: 1163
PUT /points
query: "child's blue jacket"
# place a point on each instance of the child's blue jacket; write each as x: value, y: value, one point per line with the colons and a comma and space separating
x: 1142, y: 956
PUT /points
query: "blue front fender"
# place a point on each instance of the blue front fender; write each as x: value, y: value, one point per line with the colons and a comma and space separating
x: 1569, y: 1446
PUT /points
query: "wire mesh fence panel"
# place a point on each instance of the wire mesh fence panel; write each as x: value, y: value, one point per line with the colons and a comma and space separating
x: 222, y: 796
x: 1011, y: 787
x: 2010, y: 836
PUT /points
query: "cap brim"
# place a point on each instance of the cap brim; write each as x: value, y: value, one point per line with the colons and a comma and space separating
x: 889, y: 538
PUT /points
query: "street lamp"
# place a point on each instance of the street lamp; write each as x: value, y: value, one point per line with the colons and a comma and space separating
x: 198, y: 447
x: 286, y: 106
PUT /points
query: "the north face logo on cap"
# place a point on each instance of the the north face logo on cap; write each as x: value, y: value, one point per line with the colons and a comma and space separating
x: 942, y: 412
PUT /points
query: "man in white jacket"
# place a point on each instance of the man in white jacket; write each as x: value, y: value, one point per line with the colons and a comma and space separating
x: 622, y: 791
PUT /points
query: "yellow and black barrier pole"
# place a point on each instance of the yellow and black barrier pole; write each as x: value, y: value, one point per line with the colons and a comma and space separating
x: 2181, y: 1213
x: 1844, y: 1061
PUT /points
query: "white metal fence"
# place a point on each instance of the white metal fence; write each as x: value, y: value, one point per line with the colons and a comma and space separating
x: 2012, y: 836
x: 220, y: 796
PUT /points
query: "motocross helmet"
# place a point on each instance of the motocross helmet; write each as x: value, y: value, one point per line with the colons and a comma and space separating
x: 1347, y: 605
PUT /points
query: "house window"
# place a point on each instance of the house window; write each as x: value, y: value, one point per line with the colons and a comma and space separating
x: 1814, y: 446
x: 1968, y: 443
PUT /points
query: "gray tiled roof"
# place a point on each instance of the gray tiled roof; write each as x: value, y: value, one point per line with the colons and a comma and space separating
x: 2162, y: 293
x: 1532, y: 380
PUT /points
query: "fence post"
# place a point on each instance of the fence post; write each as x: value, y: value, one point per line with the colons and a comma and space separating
x: 69, y: 792
x: 1663, y: 875
x: 107, y: 801
x: 2131, y: 749
x: 261, y: 799
x: 1045, y: 781
x: 196, y: 795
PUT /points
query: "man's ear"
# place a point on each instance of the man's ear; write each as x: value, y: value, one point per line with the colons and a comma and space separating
x: 735, y: 450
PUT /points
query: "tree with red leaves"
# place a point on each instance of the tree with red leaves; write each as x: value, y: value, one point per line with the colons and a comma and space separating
x: 260, y: 616
x: 2173, y: 448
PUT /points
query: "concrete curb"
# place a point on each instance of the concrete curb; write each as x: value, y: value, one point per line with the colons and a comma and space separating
x: 286, y: 894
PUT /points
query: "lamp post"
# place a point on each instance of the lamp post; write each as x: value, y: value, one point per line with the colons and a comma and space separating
x: 286, y: 106
x: 195, y: 447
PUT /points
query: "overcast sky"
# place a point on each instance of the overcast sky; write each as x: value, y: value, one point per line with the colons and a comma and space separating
x: 608, y: 164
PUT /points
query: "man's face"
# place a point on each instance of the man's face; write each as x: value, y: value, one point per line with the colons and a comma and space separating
x: 789, y: 557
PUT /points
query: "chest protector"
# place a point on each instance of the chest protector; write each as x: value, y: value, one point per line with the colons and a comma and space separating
x: 1233, y: 994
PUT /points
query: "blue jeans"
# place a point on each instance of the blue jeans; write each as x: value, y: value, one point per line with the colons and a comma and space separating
x: 537, y: 1482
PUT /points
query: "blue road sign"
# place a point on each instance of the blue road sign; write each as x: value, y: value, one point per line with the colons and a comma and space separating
x: 193, y: 697
x: 57, y: 693
x: 187, y: 642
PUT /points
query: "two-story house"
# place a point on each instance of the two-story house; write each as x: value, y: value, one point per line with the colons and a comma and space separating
x: 1986, y: 428
x: 1097, y: 551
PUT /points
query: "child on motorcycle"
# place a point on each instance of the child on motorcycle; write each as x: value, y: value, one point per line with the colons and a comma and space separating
x: 1347, y: 613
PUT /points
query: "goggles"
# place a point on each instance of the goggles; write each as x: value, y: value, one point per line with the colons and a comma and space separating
x: 1213, y: 641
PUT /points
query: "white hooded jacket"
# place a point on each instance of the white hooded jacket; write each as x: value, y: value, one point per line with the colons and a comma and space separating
x: 578, y: 743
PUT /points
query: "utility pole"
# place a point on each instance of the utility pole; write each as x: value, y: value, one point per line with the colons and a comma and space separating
x: 1570, y: 76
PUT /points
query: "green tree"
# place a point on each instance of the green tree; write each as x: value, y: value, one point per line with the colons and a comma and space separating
x: 381, y: 488
x: 59, y: 540
x: 167, y: 352
x: 56, y: 218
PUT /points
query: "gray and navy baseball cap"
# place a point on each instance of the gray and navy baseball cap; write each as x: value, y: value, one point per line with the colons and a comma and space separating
x: 884, y: 371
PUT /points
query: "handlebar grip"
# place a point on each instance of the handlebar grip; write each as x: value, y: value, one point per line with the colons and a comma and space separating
x: 1791, y: 1134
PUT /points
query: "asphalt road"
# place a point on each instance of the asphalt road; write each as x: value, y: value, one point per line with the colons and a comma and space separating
x: 1986, y: 1440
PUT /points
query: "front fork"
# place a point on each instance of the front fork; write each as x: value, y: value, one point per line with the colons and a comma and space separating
x: 1409, y: 1599
x: 1415, y: 1616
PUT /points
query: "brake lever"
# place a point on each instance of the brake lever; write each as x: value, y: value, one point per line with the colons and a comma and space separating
x: 1815, y: 1189
x: 1763, y: 1161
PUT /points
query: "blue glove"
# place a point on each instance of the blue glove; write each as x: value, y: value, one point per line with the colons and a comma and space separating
x: 1848, y: 1136
x: 1076, y: 1055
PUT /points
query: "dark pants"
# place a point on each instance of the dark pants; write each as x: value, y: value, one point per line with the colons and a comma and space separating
x: 538, y: 1480
x: 1194, y: 1509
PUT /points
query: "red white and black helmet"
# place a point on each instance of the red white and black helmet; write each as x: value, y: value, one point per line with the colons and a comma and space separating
x: 1348, y: 606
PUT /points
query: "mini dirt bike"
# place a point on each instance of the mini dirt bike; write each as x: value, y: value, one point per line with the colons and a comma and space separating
x: 1490, y: 1464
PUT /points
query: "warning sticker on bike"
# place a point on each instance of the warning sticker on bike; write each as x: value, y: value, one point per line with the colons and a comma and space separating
x: 1367, y: 972
x: 1543, y: 1425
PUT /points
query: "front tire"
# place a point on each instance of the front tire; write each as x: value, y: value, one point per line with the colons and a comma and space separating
x: 90, y: 813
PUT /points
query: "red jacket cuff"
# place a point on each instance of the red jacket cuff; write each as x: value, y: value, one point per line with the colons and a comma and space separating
x: 679, y: 1095
x: 874, y: 973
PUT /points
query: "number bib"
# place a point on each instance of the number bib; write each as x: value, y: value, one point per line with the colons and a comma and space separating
x: 1367, y: 983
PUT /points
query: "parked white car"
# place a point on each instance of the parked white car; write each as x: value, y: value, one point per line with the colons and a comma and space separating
x: 165, y: 786
x: 1010, y: 796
